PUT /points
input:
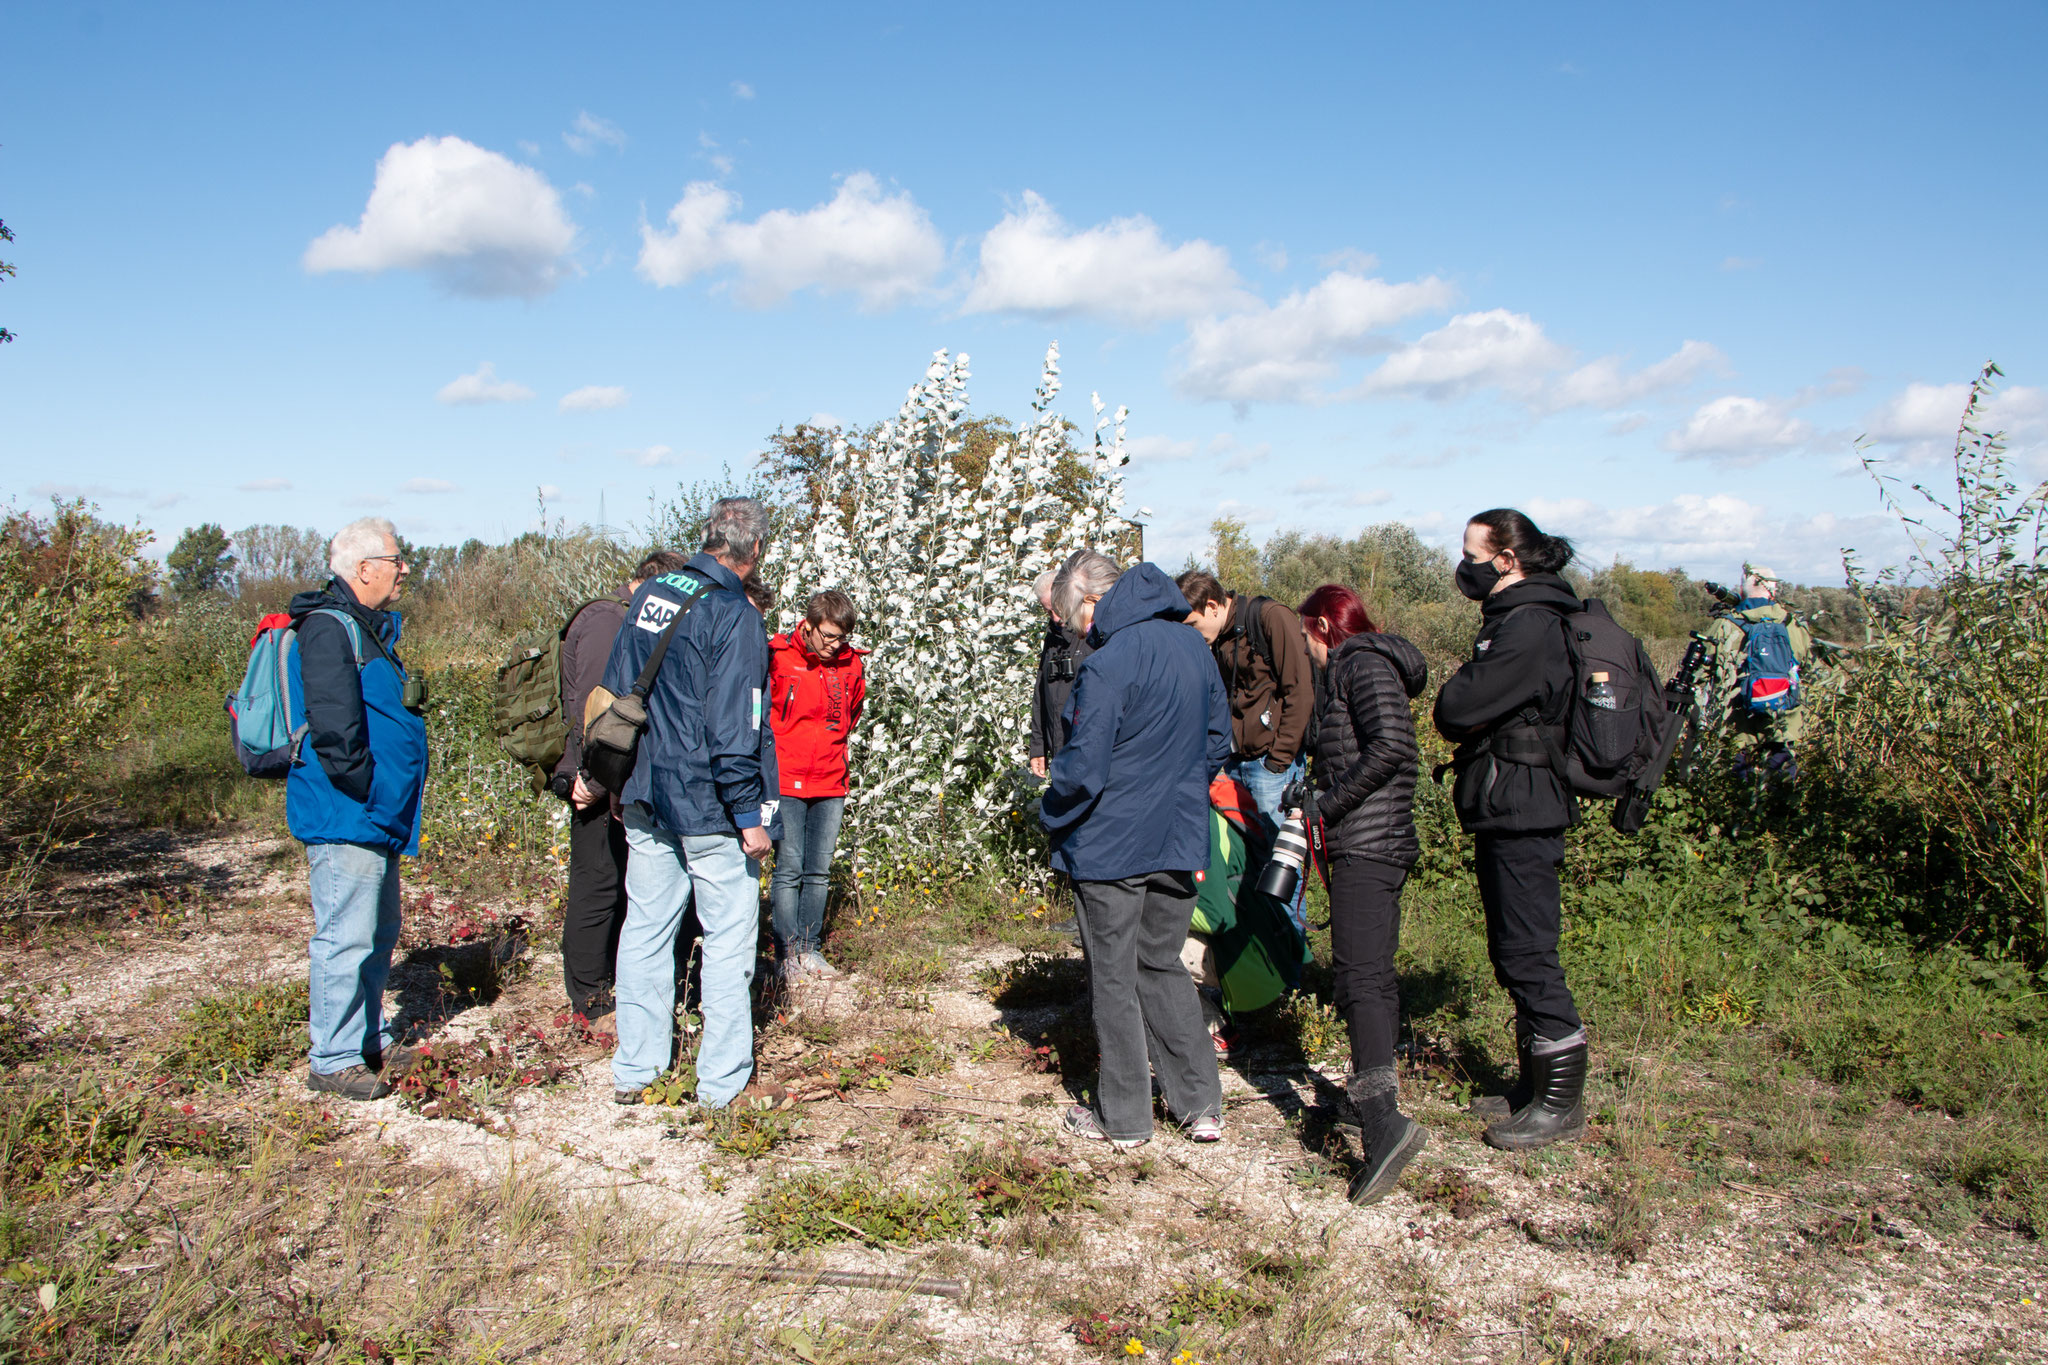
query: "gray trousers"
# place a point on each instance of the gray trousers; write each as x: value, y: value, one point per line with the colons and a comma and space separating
x: 1147, y: 1014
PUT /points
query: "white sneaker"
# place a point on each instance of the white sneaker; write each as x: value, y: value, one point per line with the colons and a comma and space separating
x: 812, y: 963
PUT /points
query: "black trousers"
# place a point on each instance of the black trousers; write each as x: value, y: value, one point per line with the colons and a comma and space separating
x: 1524, y: 912
x: 1365, y: 931
x: 596, y: 905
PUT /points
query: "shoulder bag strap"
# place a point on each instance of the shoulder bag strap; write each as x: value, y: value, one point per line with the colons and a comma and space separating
x: 643, y: 684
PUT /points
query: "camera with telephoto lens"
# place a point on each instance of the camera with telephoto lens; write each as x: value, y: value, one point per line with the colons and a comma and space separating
x: 1281, y: 876
x: 561, y: 784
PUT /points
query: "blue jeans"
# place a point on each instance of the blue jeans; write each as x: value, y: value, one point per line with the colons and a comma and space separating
x: 355, y: 927
x: 810, y: 831
x: 663, y: 870
x: 1265, y: 786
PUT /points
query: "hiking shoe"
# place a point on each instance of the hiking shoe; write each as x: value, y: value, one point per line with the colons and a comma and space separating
x: 762, y: 1095
x: 1386, y: 1156
x: 351, y: 1083
x: 1207, y: 1128
x: 397, y: 1063
x: 1079, y: 1121
x: 628, y: 1096
x: 1230, y: 1042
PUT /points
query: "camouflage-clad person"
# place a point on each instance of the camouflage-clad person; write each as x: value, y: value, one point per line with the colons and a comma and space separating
x: 1757, y: 702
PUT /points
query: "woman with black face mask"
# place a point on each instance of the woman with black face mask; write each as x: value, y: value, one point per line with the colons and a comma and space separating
x: 1506, y: 709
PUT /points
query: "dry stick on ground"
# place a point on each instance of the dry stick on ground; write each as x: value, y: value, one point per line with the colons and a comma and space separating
x: 931, y: 1285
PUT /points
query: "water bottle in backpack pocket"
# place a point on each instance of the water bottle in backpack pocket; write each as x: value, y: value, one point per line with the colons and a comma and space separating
x: 1770, y: 669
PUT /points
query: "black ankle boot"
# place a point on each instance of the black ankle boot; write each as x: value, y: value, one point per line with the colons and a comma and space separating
x: 1389, y: 1137
x: 1493, y: 1108
x: 1555, y: 1112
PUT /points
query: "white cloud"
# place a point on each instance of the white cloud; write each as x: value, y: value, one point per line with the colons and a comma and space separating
x: 550, y: 493
x: 1920, y: 422
x: 824, y: 420
x: 1331, y: 493
x: 1602, y: 384
x: 1032, y: 262
x: 1288, y: 352
x: 589, y: 132
x: 1715, y: 533
x: 1271, y: 255
x: 650, y: 456
x: 1739, y: 430
x: 1155, y: 449
x: 1238, y: 456
x: 593, y: 398
x: 265, y: 486
x: 880, y: 247
x: 742, y: 91
x: 427, y: 486
x: 477, y: 222
x: 1470, y: 351
x: 99, y: 492
x: 1919, y: 412
x: 482, y: 386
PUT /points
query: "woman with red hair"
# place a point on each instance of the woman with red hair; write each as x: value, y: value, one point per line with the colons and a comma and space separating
x: 1365, y: 769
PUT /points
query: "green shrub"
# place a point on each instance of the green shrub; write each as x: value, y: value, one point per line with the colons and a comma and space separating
x: 237, y: 1034
x: 818, y: 1207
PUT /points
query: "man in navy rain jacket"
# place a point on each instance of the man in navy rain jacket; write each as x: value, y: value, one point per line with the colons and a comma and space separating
x: 698, y: 809
x: 353, y: 799
x: 1127, y: 806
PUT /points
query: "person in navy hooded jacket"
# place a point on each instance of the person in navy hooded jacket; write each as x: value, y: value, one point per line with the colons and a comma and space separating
x: 1127, y: 806
x: 353, y: 799
x: 699, y: 809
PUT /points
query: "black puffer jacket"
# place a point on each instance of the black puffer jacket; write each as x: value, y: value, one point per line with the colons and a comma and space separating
x: 1520, y: 669
x: 1365, y: 749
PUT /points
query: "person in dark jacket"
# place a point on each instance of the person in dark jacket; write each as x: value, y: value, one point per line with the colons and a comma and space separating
x: 1505, y: 709
x: 353, y: 799
x: 697, y: 809
x: 1058, y: 658
x: 1127, y: 806
x: 596, y: 901
x: 1365, y: 767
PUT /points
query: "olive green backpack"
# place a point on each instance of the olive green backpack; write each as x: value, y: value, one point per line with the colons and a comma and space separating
x: 526, y: 705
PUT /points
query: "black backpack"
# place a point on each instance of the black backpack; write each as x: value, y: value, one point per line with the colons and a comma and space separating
x: 1601, y: 752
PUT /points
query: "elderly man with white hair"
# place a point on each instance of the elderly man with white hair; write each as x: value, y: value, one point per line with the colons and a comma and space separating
x: 353, y: 799
x: 1059, y: 657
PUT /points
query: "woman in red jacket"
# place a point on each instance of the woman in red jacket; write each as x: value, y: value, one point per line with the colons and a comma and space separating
x: 816, y: 684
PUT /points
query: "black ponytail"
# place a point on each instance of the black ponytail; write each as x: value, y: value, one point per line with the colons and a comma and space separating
x: 1508, y: 529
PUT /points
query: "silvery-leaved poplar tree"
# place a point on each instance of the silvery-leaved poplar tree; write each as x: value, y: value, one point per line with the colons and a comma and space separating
x: 942, y: 573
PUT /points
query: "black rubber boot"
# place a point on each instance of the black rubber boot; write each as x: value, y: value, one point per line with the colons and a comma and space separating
x: 1493, y: 1108
x: 1390, y: 1138
x: 1556, y: 1111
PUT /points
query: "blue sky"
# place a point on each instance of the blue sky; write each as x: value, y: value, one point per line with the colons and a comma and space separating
x: 1645, y: 272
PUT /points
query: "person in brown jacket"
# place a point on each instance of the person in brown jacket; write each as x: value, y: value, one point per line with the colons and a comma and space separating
x: 1266, y: 670
x: 597, y: 843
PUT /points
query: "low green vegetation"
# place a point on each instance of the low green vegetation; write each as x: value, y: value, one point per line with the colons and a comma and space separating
x: 227, y: 1038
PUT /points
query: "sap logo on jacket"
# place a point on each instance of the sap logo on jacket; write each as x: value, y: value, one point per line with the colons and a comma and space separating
x: 363, y: 768
x: 1129, y: 794
x: 813, y: 706
x: 704, y: 755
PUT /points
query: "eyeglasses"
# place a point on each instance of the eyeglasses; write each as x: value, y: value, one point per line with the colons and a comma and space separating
x: 400, y: 560
x: 824, y: 637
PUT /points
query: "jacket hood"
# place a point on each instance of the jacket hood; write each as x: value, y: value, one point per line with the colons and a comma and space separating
x: 1544, y: 589
x: 1140, y: 594
x: 1762, y: 609
x: 787, y: 642
x: 334, y: 594
x: 1395, y: 649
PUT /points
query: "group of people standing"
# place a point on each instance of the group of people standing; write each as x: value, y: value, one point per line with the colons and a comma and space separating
x: 1132, y: 733
x: 744, y: 750
x: 1149, y: 688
